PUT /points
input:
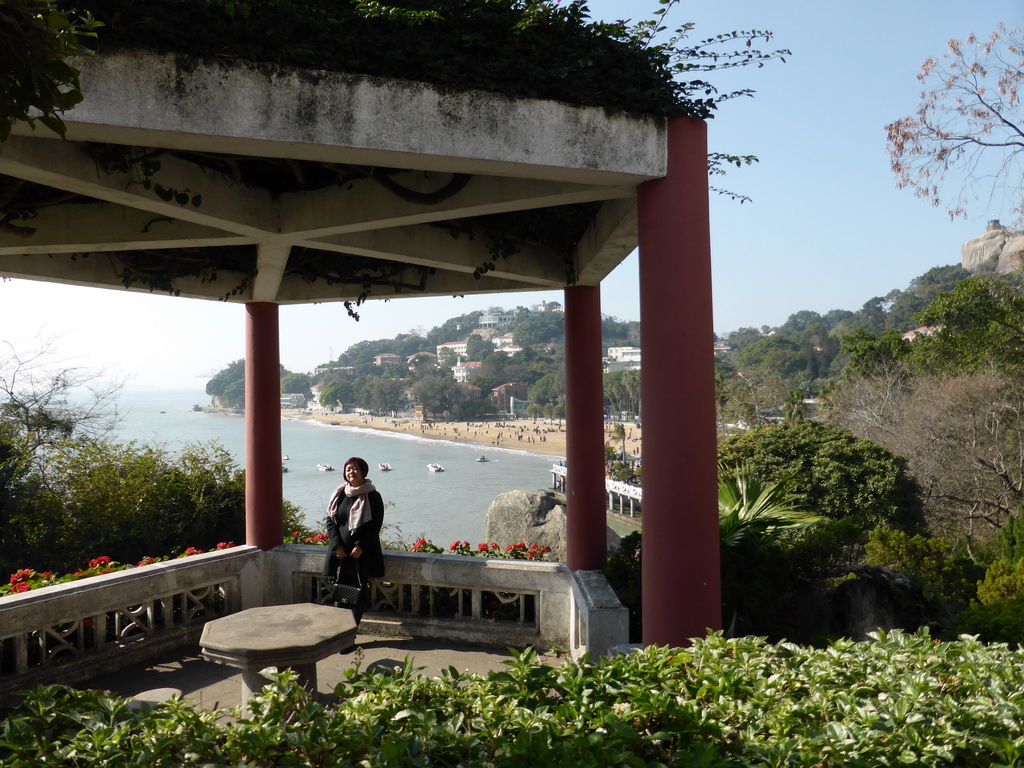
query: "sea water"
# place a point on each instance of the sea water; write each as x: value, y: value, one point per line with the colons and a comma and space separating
x: 441, y: 506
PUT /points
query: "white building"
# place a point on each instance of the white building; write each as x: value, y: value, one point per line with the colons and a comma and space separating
x: 496, y: 319
x: 622, y: 359
x: 458, y: 347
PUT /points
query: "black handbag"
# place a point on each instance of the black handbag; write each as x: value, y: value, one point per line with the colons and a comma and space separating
x: 346, y: 595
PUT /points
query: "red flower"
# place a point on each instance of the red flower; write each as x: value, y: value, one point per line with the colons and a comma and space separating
x: 102, y: 560
x: 21, y: 586
x: 482, y: 547
x: 225, y: 545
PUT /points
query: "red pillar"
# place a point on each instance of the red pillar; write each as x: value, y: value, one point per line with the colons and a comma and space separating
x: 264, y: 512
x: 587, y: 541
x: 681, y: 577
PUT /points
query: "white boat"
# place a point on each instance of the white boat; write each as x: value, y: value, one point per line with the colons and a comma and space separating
x: 481, y: 459
x: 435, y: 467
x: 285, y: 457
x: 384, y: 467
x: 325, y: 467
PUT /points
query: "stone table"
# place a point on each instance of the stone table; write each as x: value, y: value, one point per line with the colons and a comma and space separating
x: 295, y: 636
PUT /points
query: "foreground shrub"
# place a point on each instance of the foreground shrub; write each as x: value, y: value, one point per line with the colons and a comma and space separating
x: 897, y: 700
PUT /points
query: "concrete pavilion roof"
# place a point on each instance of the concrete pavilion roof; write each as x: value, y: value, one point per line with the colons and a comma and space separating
x: 520, y: 155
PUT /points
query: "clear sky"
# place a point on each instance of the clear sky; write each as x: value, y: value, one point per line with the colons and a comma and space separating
x: 826, y: 228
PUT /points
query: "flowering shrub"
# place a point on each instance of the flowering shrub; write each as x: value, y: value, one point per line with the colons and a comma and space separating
x: 512, y: 552
x: 305, y: 537
x: 27, y: 579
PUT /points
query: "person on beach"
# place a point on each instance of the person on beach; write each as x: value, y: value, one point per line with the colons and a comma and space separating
x: 355, y: 515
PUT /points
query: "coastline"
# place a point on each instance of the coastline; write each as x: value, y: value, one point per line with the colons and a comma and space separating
x: 541, y: 436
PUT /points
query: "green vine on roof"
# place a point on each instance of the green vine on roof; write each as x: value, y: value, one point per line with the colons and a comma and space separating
x: 522, y: 48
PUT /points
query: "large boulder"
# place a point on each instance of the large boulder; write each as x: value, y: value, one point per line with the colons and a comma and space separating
x: 532, y: 517
x: 998, y: 249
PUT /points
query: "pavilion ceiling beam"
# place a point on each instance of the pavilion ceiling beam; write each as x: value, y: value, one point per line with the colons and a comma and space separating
x: 294, y: 290
x: 607, y: 241
x: 271, y: 260
x: 88, y: 227
x: 435, y: 247
x: 64, y: 165
x: 365, y: 204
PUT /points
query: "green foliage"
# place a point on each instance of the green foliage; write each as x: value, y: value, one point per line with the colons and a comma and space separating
x: 1004, y: 580
x: 1008, y: 542
x: 983, y: 323
x: 834, y: 473
x: 295, y: 383
x: 1001, y: 622
x: 221, y: 383
x: 825, y: 548
x: 516, y: 47
x: 869, y: 354
x: 753, y: 514
x: 125, y: 502
x: 930, y: 560
x: 36, y: 82
x: 897, y: 700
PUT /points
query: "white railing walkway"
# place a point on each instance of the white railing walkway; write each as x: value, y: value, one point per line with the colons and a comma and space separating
x: 71, y: 632
x: 623, y: 499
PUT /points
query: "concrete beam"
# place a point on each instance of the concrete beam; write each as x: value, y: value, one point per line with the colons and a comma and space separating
x: 166, y: 100
x: 66, y: 165
x: 87, y: 227
x: 434, y: 247
x: 365, y: 204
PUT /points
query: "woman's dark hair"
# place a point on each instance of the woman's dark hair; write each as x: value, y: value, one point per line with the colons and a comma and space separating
x: 363, y: 466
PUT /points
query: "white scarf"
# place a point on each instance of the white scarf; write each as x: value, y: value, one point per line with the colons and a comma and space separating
x: 360, y: 510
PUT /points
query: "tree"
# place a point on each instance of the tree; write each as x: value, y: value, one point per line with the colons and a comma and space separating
x: 42, y: 401
x: 982, y: 322
x: 963, y: 439
x: 968, y: 123
x: 478, y: 348
x: 834, y: 472
x: 337, y: 393
x: 438, y: 393
x: 36, y: 82
x: 295, y: 383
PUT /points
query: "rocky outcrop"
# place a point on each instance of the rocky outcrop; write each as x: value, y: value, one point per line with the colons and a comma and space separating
x: 997, y: 250
x: 532, y: 517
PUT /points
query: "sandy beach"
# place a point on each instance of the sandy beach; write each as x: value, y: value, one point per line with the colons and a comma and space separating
x: 542, y: 436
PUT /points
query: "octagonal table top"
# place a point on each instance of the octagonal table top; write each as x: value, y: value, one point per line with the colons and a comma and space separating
x: 283, y: 635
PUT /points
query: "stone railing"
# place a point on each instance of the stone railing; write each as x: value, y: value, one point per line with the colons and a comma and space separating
x: 71, y: 632
x: 475, y: 600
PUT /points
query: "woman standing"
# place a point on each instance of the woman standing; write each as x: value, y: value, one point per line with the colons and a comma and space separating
x: 355, y: 515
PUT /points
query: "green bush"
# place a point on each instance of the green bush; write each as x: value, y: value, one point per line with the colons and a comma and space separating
x: 929, y: 560
x: 834, y: 473
x: 897, y: 700
x: 993, y: 623
x: 1008, y: 543
x: 1004, y: 580
x: 825, y: 548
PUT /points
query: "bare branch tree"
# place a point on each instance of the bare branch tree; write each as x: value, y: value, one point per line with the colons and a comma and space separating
x: 42, y: 401
x: 968, y: 125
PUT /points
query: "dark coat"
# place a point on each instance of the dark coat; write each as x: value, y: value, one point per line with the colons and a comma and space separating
x: 366, y: 536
